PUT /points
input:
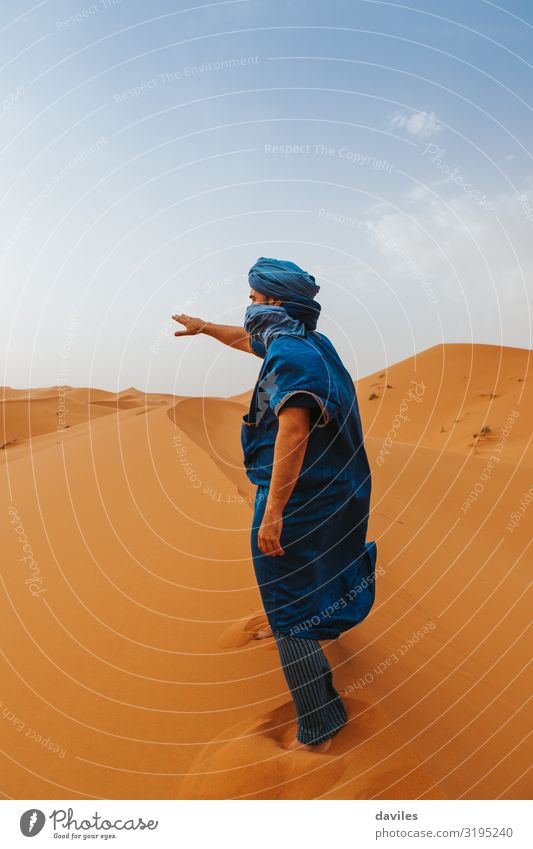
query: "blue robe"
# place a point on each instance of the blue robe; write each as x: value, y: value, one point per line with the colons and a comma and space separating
x: 324, y: 584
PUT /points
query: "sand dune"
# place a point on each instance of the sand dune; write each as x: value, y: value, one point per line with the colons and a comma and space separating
x: 467, y: 395
x: 128, y: 664
x: 243, y: 398
x: 29, y: 413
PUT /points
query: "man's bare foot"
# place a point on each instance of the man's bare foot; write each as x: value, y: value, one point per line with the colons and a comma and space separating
x: 319, y: 747
x: 263, y: 632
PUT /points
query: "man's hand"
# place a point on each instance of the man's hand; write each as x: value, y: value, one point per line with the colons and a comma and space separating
x: 270, y: 532
x: 228, y: 334
x: 194, y: 325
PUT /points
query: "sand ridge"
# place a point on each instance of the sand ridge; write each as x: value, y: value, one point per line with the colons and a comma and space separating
x: 132, y: 650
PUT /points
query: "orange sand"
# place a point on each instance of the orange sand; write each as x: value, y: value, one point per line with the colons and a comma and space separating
x: 130, y: 672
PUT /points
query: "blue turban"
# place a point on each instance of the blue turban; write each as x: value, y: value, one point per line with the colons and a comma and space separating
x: 279, y: 278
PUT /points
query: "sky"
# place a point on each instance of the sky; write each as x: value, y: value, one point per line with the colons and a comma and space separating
x: 150, y: 153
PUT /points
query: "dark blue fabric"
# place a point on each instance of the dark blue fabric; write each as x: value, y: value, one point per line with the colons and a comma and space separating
x: 266, y: 321
x: 301, y: 400
x: 324, y: 584
x: 258, y: 347
x: 286, y: 281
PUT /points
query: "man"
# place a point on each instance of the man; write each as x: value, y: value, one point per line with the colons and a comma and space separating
x: 303, y: 448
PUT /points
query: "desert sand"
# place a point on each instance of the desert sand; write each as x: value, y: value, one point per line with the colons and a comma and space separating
x: 128, y: 597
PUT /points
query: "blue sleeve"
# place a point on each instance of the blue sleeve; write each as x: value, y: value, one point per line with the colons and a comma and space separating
x: 300, y: 399
x: 295, y: 371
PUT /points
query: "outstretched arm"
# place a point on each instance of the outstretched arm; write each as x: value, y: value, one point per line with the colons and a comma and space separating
x: 228, y: 334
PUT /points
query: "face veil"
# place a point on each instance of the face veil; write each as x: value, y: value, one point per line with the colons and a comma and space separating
x: 266, y: 321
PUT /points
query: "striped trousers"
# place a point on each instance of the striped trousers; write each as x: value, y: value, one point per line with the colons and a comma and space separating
x: 320, y: 712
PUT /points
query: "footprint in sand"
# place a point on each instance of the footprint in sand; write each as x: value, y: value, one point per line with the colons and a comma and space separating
x: 368, y: 759
x: 243, y: 631
x: 249, y: 761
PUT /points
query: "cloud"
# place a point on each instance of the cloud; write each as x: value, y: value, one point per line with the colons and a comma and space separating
x: 471, y: 257
x: 419, y: 124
